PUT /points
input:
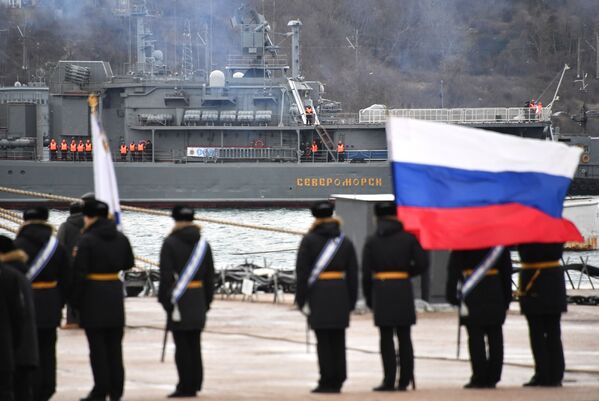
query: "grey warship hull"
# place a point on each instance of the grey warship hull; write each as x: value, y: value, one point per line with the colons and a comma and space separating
x: 232, y: 184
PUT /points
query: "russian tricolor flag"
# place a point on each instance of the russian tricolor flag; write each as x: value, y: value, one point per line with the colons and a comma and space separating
x: 464, y: 188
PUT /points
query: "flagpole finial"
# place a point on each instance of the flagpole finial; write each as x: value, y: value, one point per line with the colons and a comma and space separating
x: 92, y: 100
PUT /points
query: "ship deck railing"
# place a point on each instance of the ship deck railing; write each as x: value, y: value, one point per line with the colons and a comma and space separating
x: 458, y: 116
x: 18, y: 154
x: 349, y: 156
x: 241, y: 154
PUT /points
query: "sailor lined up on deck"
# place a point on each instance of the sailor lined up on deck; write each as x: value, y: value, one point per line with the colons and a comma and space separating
x: 309, y: 115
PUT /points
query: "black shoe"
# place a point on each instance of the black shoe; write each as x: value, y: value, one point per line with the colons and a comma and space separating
x: 475, y: 385
x: 326, y: 390
x: 181, y: 394
x: 532, y: 383
x: 384, y: 387
x: 404, y: 387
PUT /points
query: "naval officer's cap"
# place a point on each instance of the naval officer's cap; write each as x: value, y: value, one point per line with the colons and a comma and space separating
x: 385, y: 209
x: 182, y: 213
x: 36, y: 213
x: 322, y: 209
x: 95, y: 208
x: 75, y: 207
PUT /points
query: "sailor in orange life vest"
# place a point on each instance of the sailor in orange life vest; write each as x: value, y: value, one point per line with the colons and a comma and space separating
x: 88, y: 150
x: 391, y: 257
x: 309, y: 115
x: 53, y: 149
x: 123, y: 152
x: 132, y: 151
x: 186, y: 291
x: 80, y: 150
x: 327, y: 289
x: 484, y: 311
x: 101, y: 254
x: 73, y: 149
x: 63, y: 149
x: 542, y: 293
x: 340, y: 151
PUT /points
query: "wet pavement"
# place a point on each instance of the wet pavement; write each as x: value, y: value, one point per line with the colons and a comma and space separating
x: 257, y: 351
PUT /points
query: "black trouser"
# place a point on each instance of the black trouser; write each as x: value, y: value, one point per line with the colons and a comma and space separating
x: 188, y: 357
x: 71, y: 317
x: 330, y: 345
x: 391, y: 358
x: 23, y: 383
x: 45, y: 377
x: 486, y: 368
x: 106, y: 358
x: 6, y: 386
x: 547, y: 350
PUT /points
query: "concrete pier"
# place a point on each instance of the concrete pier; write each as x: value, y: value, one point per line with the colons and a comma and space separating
x: 257, y: 351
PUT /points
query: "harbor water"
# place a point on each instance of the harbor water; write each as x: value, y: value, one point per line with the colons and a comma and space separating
x: 231, y: 246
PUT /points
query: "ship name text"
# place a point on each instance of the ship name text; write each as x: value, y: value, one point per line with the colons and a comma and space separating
x: 339, y: 182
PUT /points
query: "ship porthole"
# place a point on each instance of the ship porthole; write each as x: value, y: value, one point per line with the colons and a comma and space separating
x: 22, y: 171
x: 9, y: 172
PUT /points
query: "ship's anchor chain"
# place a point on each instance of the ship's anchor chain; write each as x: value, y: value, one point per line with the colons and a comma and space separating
x: 154, y: 212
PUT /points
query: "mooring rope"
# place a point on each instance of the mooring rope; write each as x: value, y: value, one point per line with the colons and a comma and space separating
x: 13, y: 217
x: 155, y: 212
x: 8, y: 228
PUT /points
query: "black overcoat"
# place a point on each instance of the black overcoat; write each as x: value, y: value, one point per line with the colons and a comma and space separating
x: 195, y: 302
x: 488, y: 302
x: 69, y: 232
x: 330, y: 301
x: 102, y: 249
x: 547, y: 294
x: 12, y: 311
x: 48, y: 301
x: 391, y: 249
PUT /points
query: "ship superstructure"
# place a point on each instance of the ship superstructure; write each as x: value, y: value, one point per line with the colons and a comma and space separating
x: 238, y: 134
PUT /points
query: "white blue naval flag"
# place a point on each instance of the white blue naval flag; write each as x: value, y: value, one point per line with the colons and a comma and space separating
x: 105, y: 184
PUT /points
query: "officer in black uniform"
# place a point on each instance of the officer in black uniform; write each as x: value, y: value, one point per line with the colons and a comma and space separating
x: 390, y: 258
x: 12, y: 317
x: 68, y: 234
x: 50, y: 290
x: 189, y: 318
x: 484, y: 313
x: 542, y: 293
x: 101, y: 253
x: 330, y: 298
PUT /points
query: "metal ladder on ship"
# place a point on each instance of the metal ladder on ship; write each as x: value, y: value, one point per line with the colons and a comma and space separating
x: 327, y: 141
x: 300, y: 104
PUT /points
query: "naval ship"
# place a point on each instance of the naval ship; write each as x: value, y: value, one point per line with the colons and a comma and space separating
x: 236, y: 136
